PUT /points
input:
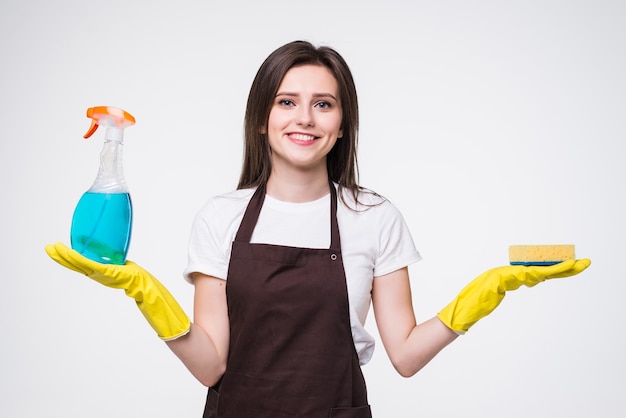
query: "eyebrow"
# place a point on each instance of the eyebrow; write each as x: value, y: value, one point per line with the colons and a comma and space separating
x: 316, y: 95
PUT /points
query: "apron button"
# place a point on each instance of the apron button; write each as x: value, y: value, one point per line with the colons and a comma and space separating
x: 333, y: 257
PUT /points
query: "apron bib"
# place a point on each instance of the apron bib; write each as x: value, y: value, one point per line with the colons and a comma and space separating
x: 291, y: 350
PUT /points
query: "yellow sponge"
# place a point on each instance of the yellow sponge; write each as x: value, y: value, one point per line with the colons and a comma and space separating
x: 540, y: 255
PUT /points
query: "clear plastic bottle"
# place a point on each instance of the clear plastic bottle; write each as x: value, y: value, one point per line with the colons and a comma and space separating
x: 103, y: 218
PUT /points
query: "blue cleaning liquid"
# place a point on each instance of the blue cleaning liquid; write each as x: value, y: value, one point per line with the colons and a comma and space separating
x: 101, y: 227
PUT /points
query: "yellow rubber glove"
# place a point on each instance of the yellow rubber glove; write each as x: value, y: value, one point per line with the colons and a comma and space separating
x: 483, y: 294
x: 156, y: 303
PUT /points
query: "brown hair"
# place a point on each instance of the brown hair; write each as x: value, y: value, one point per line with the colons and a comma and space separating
x: 342, y: 159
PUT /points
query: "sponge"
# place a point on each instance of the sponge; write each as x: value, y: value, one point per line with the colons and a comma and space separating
x: 540, y: 255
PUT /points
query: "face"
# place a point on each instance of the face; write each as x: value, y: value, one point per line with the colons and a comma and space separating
x: 305, y: 120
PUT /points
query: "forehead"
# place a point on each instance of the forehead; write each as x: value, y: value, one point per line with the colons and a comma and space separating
x: 309, y: 78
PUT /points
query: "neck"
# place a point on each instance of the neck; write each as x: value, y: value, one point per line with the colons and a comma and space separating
x: 297, y: 188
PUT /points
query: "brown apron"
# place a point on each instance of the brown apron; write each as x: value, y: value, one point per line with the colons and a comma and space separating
x: 291, y: 348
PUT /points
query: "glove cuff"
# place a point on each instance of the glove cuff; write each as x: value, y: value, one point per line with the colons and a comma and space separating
x: 176, y: 336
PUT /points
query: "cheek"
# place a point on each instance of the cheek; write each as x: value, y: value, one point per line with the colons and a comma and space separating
x: 274, y: 128
x: 275, y: 122
x: 338, y: 126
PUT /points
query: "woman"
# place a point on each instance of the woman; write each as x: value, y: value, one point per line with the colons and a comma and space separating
x: 286, y: 267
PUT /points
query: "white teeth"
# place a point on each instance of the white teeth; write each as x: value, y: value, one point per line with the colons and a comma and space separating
x: 301, y: 137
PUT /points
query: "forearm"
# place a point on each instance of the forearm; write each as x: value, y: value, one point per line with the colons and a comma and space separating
x: 422, y: 344
x: 200, y: 355
x: 410, y: 346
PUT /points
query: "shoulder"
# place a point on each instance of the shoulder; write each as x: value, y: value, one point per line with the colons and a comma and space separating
x: 371, y: 212
x: 224, y: 208
x: 233, y: 197
x: 366, y: 203
x: 228, y: 201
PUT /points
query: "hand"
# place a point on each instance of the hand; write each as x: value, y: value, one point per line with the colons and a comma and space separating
x: 483, y: 294
x: 156, y: 303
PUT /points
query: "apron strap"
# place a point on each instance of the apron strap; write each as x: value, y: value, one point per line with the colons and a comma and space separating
x: 250, y: 216
x: 335, y: 241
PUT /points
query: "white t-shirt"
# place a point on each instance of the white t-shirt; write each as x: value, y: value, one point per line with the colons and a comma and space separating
x: 374, y: 241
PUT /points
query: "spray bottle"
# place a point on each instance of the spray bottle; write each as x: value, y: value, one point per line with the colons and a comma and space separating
x: 102, y: 221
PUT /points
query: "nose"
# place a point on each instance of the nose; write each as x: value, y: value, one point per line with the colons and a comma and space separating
x: 305, y: 116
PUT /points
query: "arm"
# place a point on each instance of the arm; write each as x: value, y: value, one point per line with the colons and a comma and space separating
x: 204, y: 349
x: 202, y: 346
x: 409, y: 346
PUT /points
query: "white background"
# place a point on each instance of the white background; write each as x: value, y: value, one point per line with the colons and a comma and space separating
x: 488, y: 123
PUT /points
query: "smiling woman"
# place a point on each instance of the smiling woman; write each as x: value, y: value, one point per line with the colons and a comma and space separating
x: 286, y: 266
x: 341, y: 160
x: 303, y: 126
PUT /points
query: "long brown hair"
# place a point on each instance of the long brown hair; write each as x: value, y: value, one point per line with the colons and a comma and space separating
x: 342, y: 159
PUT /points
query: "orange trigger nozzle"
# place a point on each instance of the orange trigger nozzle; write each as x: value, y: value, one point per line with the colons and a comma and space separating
x: 92, y: 129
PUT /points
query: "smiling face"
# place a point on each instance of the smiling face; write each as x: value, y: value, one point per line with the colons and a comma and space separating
x: 305, y: 120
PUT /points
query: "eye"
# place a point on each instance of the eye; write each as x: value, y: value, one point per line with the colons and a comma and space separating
x: 285, y: 102
x: 323, y: 105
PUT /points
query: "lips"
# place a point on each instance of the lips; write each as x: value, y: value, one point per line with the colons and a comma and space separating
x: 302, y: 137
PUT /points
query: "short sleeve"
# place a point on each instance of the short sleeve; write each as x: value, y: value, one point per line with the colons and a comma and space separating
x: 396, y: 245
x: 212, y: 233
